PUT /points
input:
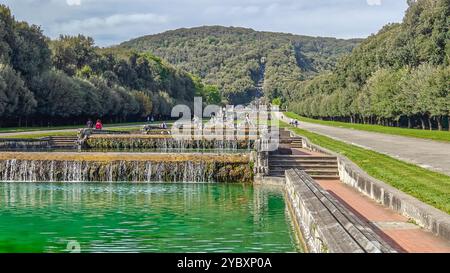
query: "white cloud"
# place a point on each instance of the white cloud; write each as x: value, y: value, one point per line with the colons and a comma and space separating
x: 116, y: 20
x: 232, y: 10
x: 113, y: 21
x: 73, y: 2
x: 374, y: 2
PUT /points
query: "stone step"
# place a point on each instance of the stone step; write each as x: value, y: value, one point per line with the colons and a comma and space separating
x: 308, y: 170
x: 302, y: 166
x: 314, y: 176
x: 300, y: 162
x: 301, y: 158
x: 63, y: 141
x: 63, y: 137
x: 304, y: 156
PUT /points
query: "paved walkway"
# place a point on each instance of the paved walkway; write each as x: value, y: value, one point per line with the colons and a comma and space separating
x: 428, y: 154
x: 391, y: 226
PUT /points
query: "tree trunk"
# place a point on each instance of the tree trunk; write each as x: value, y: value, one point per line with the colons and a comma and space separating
x: 438, y: 119
x: 409, y: 123
x: 430, y: 124
x: 422, y: 123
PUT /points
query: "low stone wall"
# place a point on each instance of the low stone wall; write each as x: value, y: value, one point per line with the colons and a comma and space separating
x: 19, y: 144
x: 426, y: 216
x: 326, y: 225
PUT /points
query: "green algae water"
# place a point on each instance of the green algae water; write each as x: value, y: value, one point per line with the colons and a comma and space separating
x: 126, y: 217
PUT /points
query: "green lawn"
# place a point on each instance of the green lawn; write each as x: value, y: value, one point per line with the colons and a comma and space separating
x: 425, y: 134
x: 51, y: 128
x: 39, y: 135
x: 428, y: 186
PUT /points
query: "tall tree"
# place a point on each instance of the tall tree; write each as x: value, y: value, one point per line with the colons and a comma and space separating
x: 16, y: 101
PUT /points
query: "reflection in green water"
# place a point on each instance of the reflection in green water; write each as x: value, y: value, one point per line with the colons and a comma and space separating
x: 37, y: 217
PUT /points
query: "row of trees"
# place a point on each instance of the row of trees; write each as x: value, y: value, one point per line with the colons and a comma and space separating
x: 67, y: 80
x: 407, y: 97
x: 398, y: 77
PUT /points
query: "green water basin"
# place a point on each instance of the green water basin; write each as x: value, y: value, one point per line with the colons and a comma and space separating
x: 125, y: 217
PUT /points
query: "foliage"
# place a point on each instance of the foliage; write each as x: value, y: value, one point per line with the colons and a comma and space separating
x: 69, y: 79
x: 15, y: 98
x: 276, y: 101
x: 399, y: 76
x: 236, y: 59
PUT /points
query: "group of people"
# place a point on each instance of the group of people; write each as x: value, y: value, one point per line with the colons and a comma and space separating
x: 163, y: 125
x: 294, y: 122
x: 98, y: 124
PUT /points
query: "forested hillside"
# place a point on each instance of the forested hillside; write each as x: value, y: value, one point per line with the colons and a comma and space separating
x: 398, y: 77
x: 235, y: 59
x: 65, y: 81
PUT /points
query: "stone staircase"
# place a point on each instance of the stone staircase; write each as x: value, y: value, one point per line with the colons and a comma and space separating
x: 296, y: 142
x: 318, y: 167
x: 63, y: 141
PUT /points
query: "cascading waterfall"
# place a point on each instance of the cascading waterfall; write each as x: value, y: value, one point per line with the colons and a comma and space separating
x: 23, y: 144
x: 170, y: 144
x: 15, y: 170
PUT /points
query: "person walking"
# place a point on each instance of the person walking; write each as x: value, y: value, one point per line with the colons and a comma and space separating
x: 99, y: 125
x: 89, y: 124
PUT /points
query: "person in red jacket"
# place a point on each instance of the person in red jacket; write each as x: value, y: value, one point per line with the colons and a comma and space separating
x: 99, y: 125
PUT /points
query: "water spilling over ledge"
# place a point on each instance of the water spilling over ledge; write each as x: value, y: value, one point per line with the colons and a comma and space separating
x: 23, y: 144
x: 124, y: 167
x: 167, y: 142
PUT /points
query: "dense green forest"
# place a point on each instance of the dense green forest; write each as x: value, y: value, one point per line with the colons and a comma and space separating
x: 68, y: 80
x: 237, y: 59
x: 398, y: 77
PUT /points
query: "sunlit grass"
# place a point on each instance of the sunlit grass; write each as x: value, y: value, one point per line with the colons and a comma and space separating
x: 52, y: 128
x: 38, y: 135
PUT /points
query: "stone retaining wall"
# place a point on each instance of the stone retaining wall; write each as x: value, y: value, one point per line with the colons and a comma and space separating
x: 23, y: 144
x: 327, y: 225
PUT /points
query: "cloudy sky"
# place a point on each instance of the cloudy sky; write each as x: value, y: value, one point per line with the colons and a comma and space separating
x: 114, y: 21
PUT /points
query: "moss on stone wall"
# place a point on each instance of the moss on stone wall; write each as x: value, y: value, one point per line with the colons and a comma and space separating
x: 164, y: 142
x: 173, y: 168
